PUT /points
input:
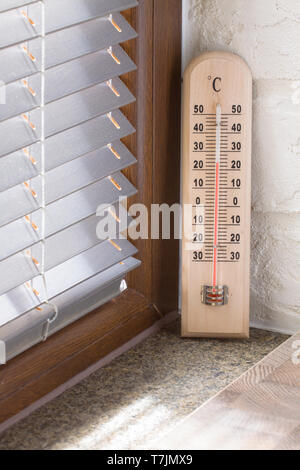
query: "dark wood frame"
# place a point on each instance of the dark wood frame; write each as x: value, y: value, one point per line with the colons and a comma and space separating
x: 154, y: 286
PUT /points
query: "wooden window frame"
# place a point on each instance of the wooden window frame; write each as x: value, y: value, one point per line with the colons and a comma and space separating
x: 153, y: 288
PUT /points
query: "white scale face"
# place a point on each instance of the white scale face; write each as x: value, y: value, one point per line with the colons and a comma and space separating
x: 216, y: 196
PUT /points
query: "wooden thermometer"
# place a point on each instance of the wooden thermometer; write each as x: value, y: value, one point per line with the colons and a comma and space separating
x: 216, y: 196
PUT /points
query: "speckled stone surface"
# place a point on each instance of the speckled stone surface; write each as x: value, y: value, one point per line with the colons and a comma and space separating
x: 140, y: 395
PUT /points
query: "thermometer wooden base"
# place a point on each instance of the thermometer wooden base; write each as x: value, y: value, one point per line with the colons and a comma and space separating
x: 217, y: 119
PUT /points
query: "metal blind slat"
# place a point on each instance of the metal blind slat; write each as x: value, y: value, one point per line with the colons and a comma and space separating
x: 69, y: 111
x: 85, y: 138
x: 80, y: 237
x: 19, y: 270
x: 19, y: 99
x: 21, y: 166
x: 17, y: 28
x: 63, y: 46
x: 17, y: 167
x: 85, y: 265
x: 73, y: 304
x: 19, y: 201
x: 15, y: 271
x: 24, y: 96
x: 66, y: 145
x: 22, y: 266
x: 19, y: 234
x: 85, y: 72
x: 85, y: 105
x: 86, y: 38
x: 18, y: 132
x: 69, y: 12
x: 14, y: 324
x: 14, y: 28
x: 8, y: 4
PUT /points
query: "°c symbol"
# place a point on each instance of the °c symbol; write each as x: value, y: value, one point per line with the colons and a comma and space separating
x: 217, y: 84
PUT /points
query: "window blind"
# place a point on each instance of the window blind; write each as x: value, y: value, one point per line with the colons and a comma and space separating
x: 61, y: 156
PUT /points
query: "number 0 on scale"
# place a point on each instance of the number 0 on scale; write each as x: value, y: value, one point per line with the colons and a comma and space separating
x: 217, y: 119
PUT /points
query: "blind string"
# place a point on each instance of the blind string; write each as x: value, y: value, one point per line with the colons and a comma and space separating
x: 28, y: 184
x: 43, y: 174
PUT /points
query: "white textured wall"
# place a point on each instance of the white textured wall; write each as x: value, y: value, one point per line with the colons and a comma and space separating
x: 267, y: 34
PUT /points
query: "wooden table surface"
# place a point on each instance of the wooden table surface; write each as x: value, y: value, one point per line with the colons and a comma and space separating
x: 260, y: 410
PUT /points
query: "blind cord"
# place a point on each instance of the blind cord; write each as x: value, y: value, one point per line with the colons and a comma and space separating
x: 43, y: 174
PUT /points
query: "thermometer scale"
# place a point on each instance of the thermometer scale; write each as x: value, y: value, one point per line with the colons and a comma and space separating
x: 216, y: 196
